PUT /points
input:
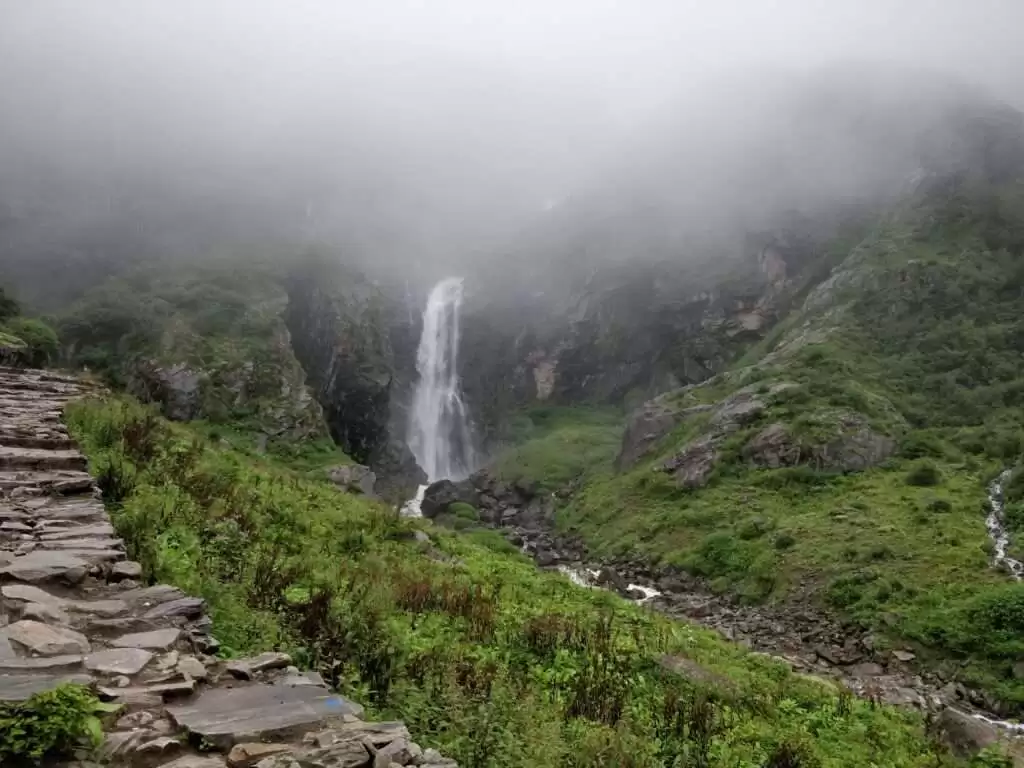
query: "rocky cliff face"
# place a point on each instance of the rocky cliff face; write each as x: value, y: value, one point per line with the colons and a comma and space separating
x: 345, y: 332
x: 622, y: 335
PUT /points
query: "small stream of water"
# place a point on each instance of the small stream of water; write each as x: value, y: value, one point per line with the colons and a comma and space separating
x: 996, y: 524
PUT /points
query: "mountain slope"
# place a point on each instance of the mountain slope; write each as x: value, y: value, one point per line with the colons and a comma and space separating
x: 844, y: 461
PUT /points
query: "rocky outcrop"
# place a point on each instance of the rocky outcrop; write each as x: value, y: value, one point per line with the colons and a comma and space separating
x: 345, y: 331
x: 176, y: 387
x: 852, y: 445
x: 354, y: 478
x: 73, y: 609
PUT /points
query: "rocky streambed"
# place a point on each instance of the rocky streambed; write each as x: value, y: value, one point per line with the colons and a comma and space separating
x: 808, y: 640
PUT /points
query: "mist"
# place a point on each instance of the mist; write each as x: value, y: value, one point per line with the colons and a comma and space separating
x: 418, y: 138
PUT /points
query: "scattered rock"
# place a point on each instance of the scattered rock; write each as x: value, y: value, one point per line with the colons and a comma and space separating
x: 42, y: 566
x: 903, y: 656
x: 354, y: 478
x: 118, y: 661
x: 157, y: 639
x: 45, y: 640
x: 126, y: 569
x: 244, y: 669
x: 248, y: 754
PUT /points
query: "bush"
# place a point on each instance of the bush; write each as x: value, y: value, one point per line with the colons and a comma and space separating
x: 50, y: 724
x: 924, y: 473
x: 41, y: 339
x: 784, y: 541
x: 940, y: 505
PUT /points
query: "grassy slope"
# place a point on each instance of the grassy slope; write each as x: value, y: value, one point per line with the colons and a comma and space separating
x: 483, y: 656
x: 922, y: 331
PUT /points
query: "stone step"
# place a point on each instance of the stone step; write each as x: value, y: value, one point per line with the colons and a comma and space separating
x: 226, y: 716
x: 41, y: 459
x: 50, y: 443
x: 59, y: 482
x: 19, y: 687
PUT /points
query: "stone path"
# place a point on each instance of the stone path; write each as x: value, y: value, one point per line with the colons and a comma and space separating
x: 73, y: 609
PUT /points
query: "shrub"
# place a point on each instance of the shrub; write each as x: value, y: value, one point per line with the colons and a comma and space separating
x: 784, y: 541
x: 924, y: 473
x: 463, y: 511
x: 40, y: 338
x: 940, y: 505
x: 50, y: 724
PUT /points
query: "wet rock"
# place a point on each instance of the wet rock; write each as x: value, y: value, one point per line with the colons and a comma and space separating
x: 963, y: 734
x: 126, y: 569
x: 45, y: 640
x: 157, y: 640
x: 227, y: 716
x: 250, y: 753
x: 397, y: 752
x: 439, y: 495
x: 185, y: 606
x: 15, y: 688
x: 40, y: 566
x: 118, y: 661
x: 610, y: 578
x: 191, y: 667
x: 44, y: 612
x: 245, y: 669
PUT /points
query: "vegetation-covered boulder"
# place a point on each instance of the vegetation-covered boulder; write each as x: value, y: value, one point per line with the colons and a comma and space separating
x: 204, y: 343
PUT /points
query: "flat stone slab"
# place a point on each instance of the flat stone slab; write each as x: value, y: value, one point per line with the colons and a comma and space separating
x: 45, y: 640
x: 105, y: 608
x: 103, y: 530
x: 53, y: 662
x: 158, y: 639
x: 227, y: 716
x: 15, y: 688
x: 149, y: 596
x: 126, y: 569
x: 118, y: 661
x: 42, y: 566
x: 185, y: 606
x: 29, y: 594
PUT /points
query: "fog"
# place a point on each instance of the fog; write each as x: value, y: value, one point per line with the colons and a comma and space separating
x: 418, y: 137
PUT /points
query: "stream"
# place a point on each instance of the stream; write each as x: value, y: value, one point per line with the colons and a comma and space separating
x: 996, y: 524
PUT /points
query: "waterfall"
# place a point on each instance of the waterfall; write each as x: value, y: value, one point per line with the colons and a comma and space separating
x: 438, y: 424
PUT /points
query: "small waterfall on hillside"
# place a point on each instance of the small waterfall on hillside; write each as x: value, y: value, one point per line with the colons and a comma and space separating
x: 438, y: 433
x: 997, y: 528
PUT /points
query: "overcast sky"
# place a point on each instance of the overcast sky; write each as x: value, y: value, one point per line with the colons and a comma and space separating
x: 418, y: 120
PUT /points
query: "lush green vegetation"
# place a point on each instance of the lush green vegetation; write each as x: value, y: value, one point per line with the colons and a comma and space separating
x: 221, y: 328
x: 919, y: 335
x: 553, y: 446
x: 481, y: 655
x: 30, y: 341
x: 50, y: 725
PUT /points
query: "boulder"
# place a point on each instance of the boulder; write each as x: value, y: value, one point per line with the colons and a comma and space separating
x: 440, y: 495
x: 692, y: 466
x: 965, y: 734
x: 851, y: 447
x: 354, y: 478
x: 648, y: 424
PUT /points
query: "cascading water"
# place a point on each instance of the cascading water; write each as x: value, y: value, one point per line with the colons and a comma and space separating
x: 438, y: 433
x: 997, y: 528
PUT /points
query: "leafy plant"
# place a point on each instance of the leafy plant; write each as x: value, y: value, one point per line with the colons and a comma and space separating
x: 51, y: 724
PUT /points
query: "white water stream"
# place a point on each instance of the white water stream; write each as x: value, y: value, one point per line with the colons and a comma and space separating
x: 996, y: 525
